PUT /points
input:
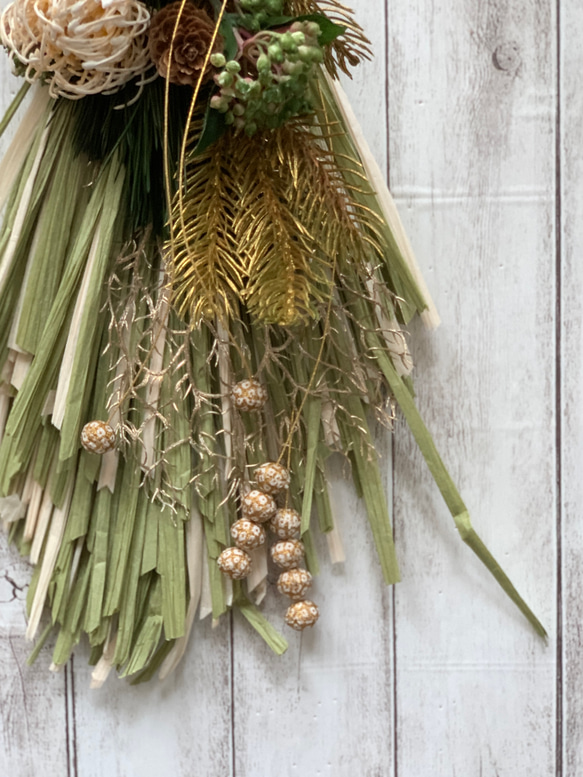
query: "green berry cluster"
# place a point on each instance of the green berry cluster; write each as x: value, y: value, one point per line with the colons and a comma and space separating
x: 260, y: 10
x: 269, y: 84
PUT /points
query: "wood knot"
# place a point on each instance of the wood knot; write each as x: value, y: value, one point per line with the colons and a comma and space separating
x: 507, y: 57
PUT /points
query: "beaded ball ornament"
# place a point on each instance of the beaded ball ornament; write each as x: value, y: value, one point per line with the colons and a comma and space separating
x: 294, y: 583
x: 247, y: 534
x: 235, y: 563
x: 286, y: 524
x: 287, y: 553
x: 249, y: 395
x: 258, y: 506
x: 273, y: 478
x: 301, y: 615
x: 98, y: 437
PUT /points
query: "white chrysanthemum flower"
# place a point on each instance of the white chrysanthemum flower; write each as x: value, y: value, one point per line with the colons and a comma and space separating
x: 80, y: 48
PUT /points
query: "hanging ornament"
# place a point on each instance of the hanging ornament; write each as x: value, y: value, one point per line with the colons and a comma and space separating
x: 273, y: 478
x: 287, y: 524
x: 248, y: 535
x: 294, y: 583
x: 98, y: 437
x: 302, y: 615
x: 235, y: 563
x: 249, y: 395
x: 189, y: 199
x: 287, y: 553
x: 258, y: 506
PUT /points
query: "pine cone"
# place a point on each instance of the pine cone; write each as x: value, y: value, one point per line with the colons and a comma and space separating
x: 192, y: 42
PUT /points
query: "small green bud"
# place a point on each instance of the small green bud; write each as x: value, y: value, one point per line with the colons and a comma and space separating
x: 305, y: 53
x: 242, y: 86
x: 233, y: 66
x: 317, y: 55
x: 229, y: 117
x: 251, y: 129
x: 263, y: 64
x: 224, y: 79
x: 275, y: 52
x: 219, y: 103
x: 299, y: 38
x: 287, y: 42
x: 238, y: 109
x: 313, y: 30
x: 218, y: 60
x: 292, y: 68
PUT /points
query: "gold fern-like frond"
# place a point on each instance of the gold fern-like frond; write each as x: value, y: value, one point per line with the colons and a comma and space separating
x: 322, y: 196
x: 264, y: 221
x: 202, y: 261
x: 285, y: 275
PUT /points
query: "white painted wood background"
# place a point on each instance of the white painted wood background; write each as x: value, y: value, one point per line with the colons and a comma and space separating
x: 476, y: 109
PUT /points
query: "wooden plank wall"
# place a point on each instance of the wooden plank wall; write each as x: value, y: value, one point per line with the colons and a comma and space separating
x: 475, y: 107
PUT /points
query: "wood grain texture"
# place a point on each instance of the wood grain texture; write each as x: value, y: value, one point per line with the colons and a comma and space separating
x: 571, y: 438
x: 33, y: 701
x: 181, y: 726
x: 472, y: 90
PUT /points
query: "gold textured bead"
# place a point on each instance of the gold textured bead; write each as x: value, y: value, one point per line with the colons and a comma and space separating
x: 294, y: 583
x: 258, y: 506
x: 97, y: 437
x: 235, y: 563
x: 301, y: 615
x: 287, y: 553
x: 272, y: 478
x: 249, y: 395
x: 247, y: 534
x: 286, y: 523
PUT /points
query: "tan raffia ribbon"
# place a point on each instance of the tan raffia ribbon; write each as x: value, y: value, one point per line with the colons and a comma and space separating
x: 25, y: 199
x: 17, y: 150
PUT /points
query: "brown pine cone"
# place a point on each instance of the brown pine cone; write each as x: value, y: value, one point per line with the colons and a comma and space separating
x: 192, y: 42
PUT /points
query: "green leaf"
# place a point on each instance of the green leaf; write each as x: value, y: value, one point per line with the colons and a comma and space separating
x: 262, y: 626
x: 329, y: 30
x: 213, y: 128
x: 279, y: 21
x: 226, y: 30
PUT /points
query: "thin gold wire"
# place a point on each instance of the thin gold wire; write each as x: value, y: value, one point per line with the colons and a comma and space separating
x: 184, y: 145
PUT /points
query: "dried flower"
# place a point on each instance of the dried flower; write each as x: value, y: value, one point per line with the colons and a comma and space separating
x: 190, y: 46
x: 81, y: 48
